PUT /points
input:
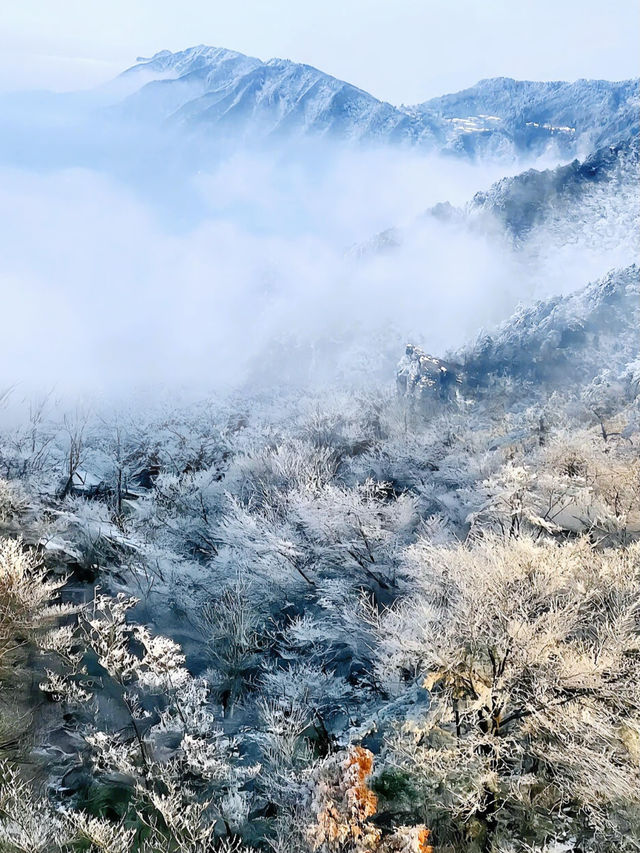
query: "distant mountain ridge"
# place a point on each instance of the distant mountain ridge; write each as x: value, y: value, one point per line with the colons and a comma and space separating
x: 214, y: 90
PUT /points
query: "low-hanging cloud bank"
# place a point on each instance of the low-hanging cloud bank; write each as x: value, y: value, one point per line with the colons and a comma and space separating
x: 111, y: 279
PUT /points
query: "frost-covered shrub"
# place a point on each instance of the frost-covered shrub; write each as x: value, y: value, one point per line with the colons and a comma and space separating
x: 13, y: 500
x: 155, y: 685
x: 573, y: 484
x: 27, y: 593
x: 529, y: 651
x: 232, y: 632
x: 184, y: 511
x: 89, y: 528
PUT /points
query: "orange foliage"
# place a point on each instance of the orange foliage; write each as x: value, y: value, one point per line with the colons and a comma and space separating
x: 407, y: 839
x: 343, y: 803
x: 361, y: 800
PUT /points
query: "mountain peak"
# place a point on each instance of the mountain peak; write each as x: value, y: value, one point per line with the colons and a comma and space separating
x: 184, y: 61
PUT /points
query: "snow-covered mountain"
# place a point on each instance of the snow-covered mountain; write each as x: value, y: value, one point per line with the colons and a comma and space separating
x: 224, y: 92
x: 502, y: 112
x: 585, y: 207
x: 224, y: 98
x: 227, y: 94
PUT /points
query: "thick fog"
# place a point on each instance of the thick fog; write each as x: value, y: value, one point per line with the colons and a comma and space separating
x: 129, y: 259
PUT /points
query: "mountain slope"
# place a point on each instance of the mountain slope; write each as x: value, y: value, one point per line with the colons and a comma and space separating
x: 529, y: 199
x: 566, y: 338
x: 590, y: 336
x: 593, y: 203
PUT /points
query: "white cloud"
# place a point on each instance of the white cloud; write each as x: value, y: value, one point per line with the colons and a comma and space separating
x: 101, y: 289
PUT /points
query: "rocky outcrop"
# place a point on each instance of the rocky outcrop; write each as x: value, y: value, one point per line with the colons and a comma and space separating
x: 426, y: 379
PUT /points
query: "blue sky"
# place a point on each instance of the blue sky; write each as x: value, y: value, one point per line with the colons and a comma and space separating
x: 400, y: 50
